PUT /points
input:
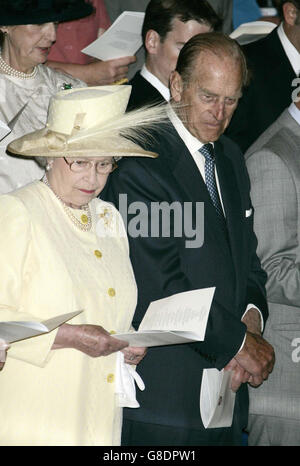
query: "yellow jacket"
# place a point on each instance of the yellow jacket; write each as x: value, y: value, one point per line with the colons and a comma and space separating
x: 49, y: 267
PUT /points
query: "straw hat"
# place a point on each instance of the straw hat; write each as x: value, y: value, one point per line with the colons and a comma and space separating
x: 16, y: 12
x: 91, y: 122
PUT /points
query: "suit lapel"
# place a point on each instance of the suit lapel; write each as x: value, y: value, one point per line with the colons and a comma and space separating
x: 232, y: 204
x: 194, y: 189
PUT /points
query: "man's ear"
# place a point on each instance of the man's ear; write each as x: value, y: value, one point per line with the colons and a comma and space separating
x: 176, y: 86
x: 152, y: 41
x: 290, y: 13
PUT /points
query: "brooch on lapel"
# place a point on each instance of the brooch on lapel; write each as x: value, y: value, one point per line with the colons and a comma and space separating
x: 109, y: 223
x: 66, y: 86
x: 106, y: 217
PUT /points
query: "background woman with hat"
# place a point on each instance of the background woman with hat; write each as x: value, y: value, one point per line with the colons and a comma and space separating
x: 62, y: 249
x: 27, y: 32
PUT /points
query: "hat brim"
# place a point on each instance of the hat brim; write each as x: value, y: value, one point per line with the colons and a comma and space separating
x: 47, y: 15
x: 47, y: 143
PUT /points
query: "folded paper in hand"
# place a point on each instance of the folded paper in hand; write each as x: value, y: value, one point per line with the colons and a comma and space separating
x: 186, y: 314
x: 180, y: 318
x: 250, y: 32
x: 216, y: 398
x: 19, y: 330
x: 122, y: 39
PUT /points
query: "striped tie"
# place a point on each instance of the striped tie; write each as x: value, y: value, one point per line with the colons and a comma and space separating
x: 208, y: 151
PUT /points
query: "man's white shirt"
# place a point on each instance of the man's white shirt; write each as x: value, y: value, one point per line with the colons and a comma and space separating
x: 290, y: 50
x: 155, y: 82
x: 294, y: 112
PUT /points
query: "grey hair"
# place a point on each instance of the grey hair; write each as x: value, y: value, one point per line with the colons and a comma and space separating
x: 213, y: 42
x: 41, y: 161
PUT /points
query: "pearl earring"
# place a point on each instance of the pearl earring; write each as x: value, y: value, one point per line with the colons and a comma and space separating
x: 48, y: 167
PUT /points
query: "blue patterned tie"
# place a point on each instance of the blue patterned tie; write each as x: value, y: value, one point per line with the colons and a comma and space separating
x: 208, y: 151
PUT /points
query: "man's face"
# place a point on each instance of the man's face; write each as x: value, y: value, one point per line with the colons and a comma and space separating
x: 164, y: 54
x: 208, y: 101
x: 296, y: 31
x: 291, y: 23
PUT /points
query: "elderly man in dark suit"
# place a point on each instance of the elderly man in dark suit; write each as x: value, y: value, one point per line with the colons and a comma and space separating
x: 196, y: 164
x: 274, y: 63
x: 167, y: 26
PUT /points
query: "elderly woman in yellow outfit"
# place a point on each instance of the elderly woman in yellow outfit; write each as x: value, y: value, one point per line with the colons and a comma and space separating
x: 59, y: 388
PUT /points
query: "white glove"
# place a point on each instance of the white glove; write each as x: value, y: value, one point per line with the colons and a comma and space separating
x: 3, y: 347
x: 126, y: 376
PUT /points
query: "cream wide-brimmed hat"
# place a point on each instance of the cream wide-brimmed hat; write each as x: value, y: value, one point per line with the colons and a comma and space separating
x: 90, y: 122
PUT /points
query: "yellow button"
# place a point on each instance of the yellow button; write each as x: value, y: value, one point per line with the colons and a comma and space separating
x: 111, y: 292
x: 110, y: 378
x: 98, y: 253
x: 84, y: 219
x: 112, y: 332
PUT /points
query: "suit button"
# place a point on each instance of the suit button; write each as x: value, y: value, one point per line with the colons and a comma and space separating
x: 98, y: 253
x: 110, y: 378
x: 111, y: 292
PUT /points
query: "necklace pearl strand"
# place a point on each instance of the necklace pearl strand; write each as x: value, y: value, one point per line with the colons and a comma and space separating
x: 87, y: 225
x: 6, y: 69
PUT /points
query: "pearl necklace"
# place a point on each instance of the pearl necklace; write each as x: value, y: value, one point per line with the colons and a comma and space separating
x: 86, y: 219
x: 15, y: 73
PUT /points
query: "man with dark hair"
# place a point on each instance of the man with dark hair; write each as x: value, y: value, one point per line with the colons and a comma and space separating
x: 167, y: 26
x: 274, y: 62
x: 197, y: 165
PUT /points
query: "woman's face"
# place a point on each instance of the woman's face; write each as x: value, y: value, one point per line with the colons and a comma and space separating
x: 77, y: 188
x: 28, y: 45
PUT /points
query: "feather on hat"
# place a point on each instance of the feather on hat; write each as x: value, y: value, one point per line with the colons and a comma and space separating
x: 91, y: 122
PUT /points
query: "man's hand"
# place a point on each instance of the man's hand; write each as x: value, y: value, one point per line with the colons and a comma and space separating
x: 239, y: 375
x: 252, y: 319
x: 256, y: 357
x: 92, y: 340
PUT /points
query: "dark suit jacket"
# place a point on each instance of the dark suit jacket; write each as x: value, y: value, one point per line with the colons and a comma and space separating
x: 164, y: 266
x: 142, y: 93
x: 268, y: 94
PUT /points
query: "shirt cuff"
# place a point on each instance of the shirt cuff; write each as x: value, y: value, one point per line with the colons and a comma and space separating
x: 261, y: 319
x: 251, y: 306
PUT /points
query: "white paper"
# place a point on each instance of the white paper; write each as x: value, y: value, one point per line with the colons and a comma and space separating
x: 122, y: 39
x: 148, y: 338
x: 4, y: 130
x: 180, y: 318
x: 216, y: 398
x: 249, y: 32
x: 19, y: 330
